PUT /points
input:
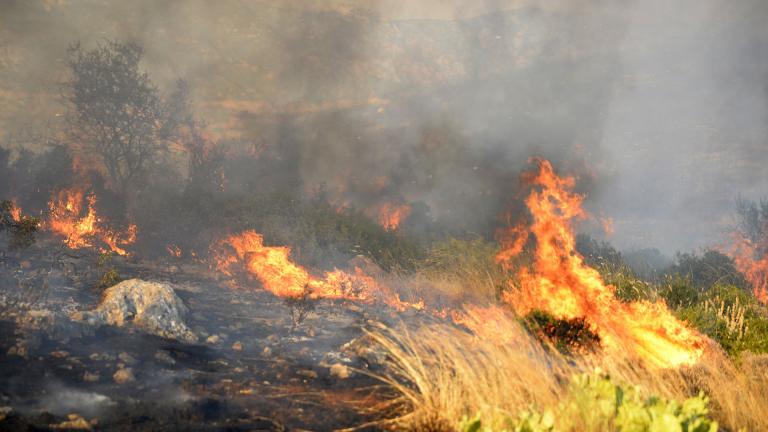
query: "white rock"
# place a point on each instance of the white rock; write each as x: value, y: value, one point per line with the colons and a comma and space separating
x: 152, y: 306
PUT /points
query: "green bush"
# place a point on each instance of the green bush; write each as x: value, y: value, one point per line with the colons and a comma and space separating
x: 594, y: 403
x: 678, y: 291
x: 319, y: 234
x: 629, y: 287
x: 708, y: 269
x: 732, y: 317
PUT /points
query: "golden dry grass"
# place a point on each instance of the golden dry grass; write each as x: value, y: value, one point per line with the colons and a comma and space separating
x: 441, y: 373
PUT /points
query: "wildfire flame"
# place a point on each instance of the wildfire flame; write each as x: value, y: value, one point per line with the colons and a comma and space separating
x: 173, y: 250
x: 390, y: 215
x: 78, y: 230
x: 15, y: 212
x: 559, y: 283
x: 282, y: 277
x: 749, y: 261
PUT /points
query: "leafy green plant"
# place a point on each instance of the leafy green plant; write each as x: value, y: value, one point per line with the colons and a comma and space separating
x: 595, y: 403
x: 732, y: 317
x: 678, y: 291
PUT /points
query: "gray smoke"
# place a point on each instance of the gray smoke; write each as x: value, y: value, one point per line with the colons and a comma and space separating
x: 658, y: 107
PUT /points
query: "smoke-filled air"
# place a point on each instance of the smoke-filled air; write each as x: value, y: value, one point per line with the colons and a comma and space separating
x: 432, y: 215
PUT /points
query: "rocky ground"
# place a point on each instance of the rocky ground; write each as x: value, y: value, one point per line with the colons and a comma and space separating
x: 240, y: 362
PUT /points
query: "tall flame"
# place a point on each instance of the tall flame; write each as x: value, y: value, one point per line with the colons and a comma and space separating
x: 560, y: 283
x: 78, y: 230
x: 15, y: 211
x: 390, y: 215
x: 282, y: 277
x: 753, y: 264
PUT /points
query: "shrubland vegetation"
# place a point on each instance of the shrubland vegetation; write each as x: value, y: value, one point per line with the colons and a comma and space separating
x: 445, y: 378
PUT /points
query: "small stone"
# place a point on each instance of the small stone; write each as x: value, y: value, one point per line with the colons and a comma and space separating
x: 4, y: 411
x: 91, y: 377
x: 59, y: 354
x: 340, y: 371
x: 74, y: 421
x: 273, y: 338
x: 266, y: 352
x: 311, y: 332
x: 123, y: 376
x: 25, y: 264
x: 126, y: 358
x: 164, y: 357
x: 213, y: 339
x: 237, y: 346
x: 307, y: 373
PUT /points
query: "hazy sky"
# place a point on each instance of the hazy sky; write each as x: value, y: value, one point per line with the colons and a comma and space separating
x: 658, y: 106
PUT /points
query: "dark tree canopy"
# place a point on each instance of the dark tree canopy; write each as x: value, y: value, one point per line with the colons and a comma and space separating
x: 117, y: 112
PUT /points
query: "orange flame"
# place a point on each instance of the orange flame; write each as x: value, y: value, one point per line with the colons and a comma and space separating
x: 559, y: 283
x: 282, y: 277
x: 15, y: 212
x: 173, y: 250
x: 78, y: 230
x: 390, y: 215
x: 755, y: 267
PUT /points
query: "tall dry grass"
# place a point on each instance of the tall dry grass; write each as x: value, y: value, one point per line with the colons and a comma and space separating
x: 454, y: 272
x: 441, y: 374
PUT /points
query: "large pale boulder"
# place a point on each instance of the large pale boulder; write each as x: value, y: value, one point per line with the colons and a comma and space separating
x: 152, y: 306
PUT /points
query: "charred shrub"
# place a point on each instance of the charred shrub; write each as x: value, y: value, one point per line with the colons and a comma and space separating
x: 22, y: 228
x: 110, y: 276
x: 567, y: 336
x: 300, y: 307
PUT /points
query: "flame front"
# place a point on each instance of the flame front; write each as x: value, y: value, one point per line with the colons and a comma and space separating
x: 78, y: 230
x: 561, y: 284
x: 282, y: 277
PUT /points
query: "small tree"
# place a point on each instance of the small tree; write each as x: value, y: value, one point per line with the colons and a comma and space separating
x: 117, y: 112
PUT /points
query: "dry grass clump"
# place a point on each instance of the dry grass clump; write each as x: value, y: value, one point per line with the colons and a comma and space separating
x: 443, y: 374
x: 457, y: 271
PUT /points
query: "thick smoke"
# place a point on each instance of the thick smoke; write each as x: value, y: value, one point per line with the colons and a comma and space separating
x: 657, y: 107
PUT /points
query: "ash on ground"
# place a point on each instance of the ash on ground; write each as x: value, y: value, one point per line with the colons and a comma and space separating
x: 172, y: 347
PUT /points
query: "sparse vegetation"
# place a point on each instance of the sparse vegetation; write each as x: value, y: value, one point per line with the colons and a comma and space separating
x: 22, y: 228
x: 109, y: 276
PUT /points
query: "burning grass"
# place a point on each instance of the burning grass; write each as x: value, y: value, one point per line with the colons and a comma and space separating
x: 442, y: 375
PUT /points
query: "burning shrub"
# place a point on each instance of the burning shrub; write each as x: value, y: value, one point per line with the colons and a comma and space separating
x: 22, y: 228
x: 300, y: 307
x: 566, y: 335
